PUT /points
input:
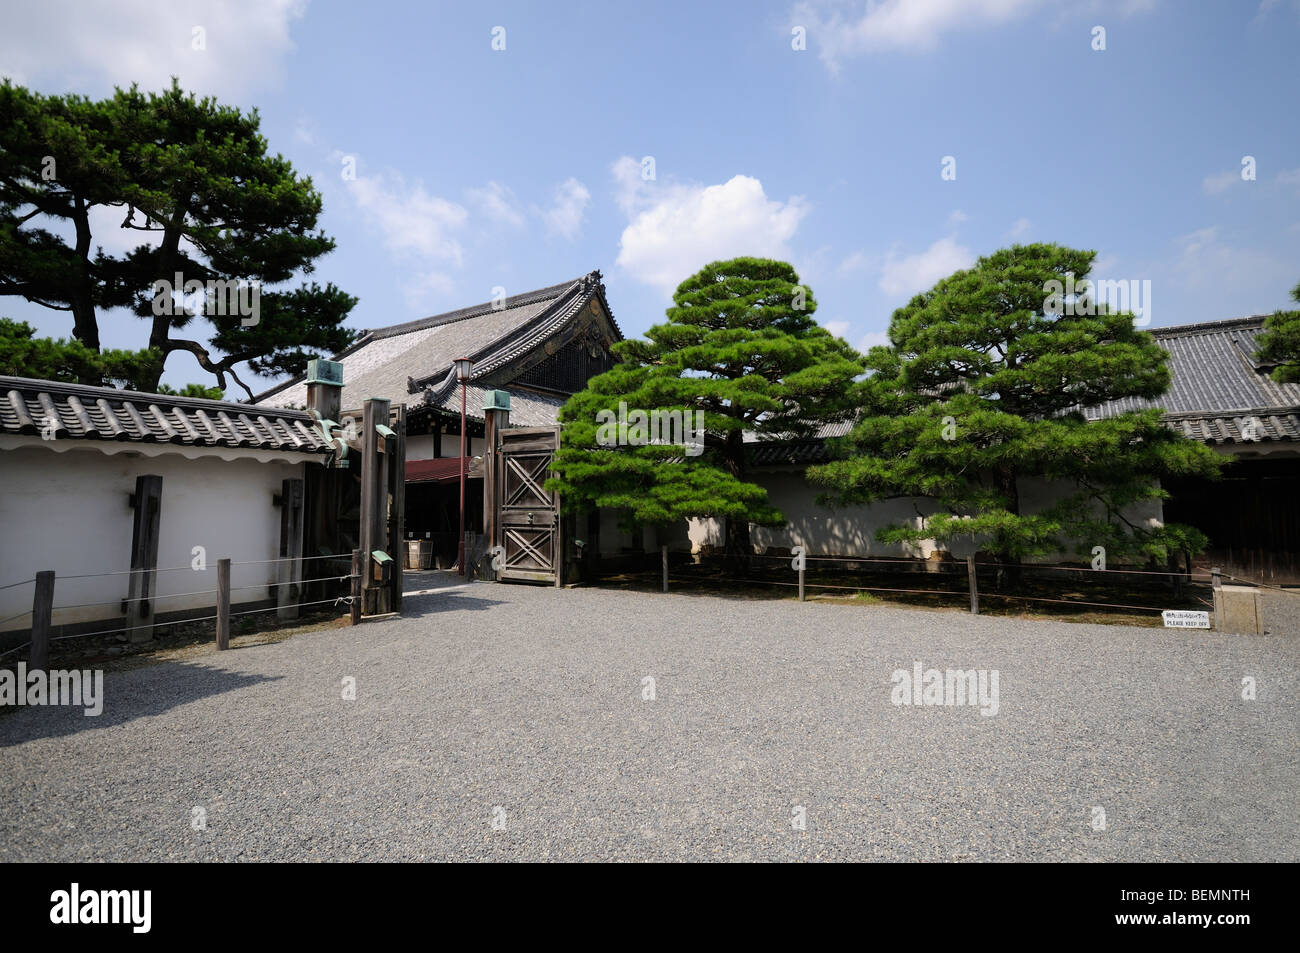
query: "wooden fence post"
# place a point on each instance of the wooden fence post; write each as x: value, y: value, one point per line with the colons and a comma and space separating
x: 663, y: 550
x: 974, y: 589
x: 356, y: 586
x: 42, y: 613
x: 801, y: 599
x: 223, y: 604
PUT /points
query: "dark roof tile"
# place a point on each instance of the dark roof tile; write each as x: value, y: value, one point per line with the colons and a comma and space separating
x: 104, y: 413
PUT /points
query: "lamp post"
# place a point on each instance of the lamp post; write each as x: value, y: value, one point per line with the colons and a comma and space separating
x: 463, y: 368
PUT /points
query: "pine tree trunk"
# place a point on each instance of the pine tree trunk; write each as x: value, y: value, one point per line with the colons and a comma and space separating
x: 738, y: 545
x: 167, y: 257
x: 1009, y: 567
x: 85, y: 327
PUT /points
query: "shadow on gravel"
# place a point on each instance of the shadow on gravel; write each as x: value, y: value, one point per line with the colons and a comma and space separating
x: 137, y: 693
x: 426, y: 603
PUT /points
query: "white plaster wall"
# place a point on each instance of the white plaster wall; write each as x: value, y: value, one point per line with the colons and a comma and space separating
x: 823, y: 531
x: 851, y: 531
x: 1037, y: 495
x: 68, y: 511
x: 419, y: 446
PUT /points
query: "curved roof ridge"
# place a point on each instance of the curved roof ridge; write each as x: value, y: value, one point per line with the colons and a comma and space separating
x: 1226, y: 324
x: 476, y: 310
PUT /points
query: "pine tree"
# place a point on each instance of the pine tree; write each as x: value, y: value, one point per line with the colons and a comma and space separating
x: 986, y: 384
x: 198, y: 178
x: 1280, y: 343
x: 741, y: 348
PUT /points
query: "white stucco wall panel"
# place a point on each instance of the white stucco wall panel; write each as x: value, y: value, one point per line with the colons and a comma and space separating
x: 851, y: 530
x: 69, y: 512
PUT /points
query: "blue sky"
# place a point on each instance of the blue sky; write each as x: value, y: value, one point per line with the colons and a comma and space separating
x: 479, y: 168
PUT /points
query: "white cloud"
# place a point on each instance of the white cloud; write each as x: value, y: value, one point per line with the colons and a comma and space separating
x: 837, y: 328
x: 410, y: 219
x: 498, y: 203
x: 1224, y: 279
x: 1019, y: 228
x: 1268, y: 6
x: 632, y: 192
x: 910, y: 25
x: 674, y: 230
x: 956, y: 218
x: 1204, y: 258
x: 907, y: 276
x: 418, y: 290
x: 1104, y: 265
x: 857, y: 261
x: 913, y: 26
x: 60, y: 44
x: 1289, y: 177
x: 872, y: 339
x: 1219, y: 182
x: 566, y: 213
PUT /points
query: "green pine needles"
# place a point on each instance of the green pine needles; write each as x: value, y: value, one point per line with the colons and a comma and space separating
x: 985, y: 390
x: 741, y: 349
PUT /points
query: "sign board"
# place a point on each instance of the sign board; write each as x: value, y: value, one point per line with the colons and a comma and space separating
x: 1186, y: 619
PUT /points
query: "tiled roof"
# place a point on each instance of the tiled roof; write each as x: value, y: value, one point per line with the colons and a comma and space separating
x: 389, y: 362
x: 527, y: 408
x: 768, y: 451
x: 771, y: 453
x: 104, y: 413
x: 442, y: 470
x: 1218, y: 387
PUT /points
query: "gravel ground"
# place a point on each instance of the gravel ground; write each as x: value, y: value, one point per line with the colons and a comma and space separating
x: 526, y: 704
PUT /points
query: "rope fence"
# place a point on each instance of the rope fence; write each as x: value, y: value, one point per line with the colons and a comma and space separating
x: 43, y: 607
x: 712, y: 571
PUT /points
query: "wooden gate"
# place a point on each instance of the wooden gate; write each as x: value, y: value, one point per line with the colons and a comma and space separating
x: 528, y: 515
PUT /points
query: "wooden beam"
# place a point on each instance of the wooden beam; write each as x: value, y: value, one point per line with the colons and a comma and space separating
x: 42, y: 615
x: 289, y: 591
x: 142, y: 589
x: 397, y: 514
x: 496, y: 421
x: 223, y: 604
x: 374, y: 501
x: 358, y: 568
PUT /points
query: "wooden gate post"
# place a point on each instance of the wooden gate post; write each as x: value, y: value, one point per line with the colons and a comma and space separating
x: 223, y: 604
x: 357, y: 569
x: 289, y: 590
x: 560, y: 540
x: 663, y: 552
x: 496, y: 417
x: 396, y: 457
x: 374, y: 499
x: 42, y: 613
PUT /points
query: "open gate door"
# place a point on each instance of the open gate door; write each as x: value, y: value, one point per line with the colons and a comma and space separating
x: 528, y: 515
